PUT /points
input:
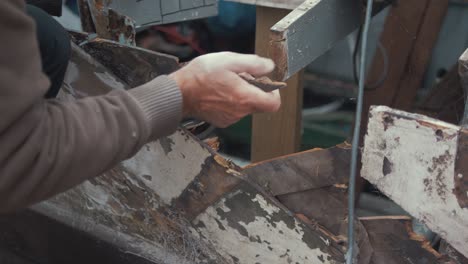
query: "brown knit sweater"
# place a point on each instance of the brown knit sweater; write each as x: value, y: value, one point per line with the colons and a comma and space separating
x: 47, y: 146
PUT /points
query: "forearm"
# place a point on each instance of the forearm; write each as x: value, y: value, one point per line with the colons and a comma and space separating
x: 48, y: 146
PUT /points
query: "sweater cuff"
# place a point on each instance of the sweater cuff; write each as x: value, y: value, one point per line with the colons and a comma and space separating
x: 161, y: 102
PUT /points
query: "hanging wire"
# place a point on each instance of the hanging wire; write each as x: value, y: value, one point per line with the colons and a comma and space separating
x: 355, y: 143
x: 383, y: 52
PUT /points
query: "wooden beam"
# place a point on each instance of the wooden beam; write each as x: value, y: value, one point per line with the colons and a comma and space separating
x: 420, y: 56
x: 446, y: 99
x: 305, y: 33
x: 276, y: 134
x: 312, y: 169
x: 409, y: 34
x: 420, y: 163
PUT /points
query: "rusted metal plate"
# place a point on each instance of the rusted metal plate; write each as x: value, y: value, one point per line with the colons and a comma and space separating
x: 412, y: 159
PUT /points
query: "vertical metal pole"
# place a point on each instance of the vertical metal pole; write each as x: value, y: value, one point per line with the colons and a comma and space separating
x: 355, y: 143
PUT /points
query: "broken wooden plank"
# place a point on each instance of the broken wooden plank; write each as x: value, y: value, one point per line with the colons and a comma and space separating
x: 245, y: 217
x: 304, y: 34
x: 413, y: 160
x: 313, y: 169
x: 394, y: 242
x: 110, y: 24
x: 265, y: 83
x: 421, y: 54
x: 141, y: 65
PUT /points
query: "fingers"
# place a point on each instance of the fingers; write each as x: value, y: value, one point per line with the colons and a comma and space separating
x: 266, y: 102
x: 255, y: 98
x: 247, y: 63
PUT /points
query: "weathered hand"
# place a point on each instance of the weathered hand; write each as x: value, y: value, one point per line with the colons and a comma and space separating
x: 213, y: 91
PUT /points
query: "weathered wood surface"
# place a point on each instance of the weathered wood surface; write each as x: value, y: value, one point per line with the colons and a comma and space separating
x: 408, y: 36
x: 463, y: 72
x: 86, y: 18
x: 447, y: 250
x: 282, y: 4
x: 394, y: 242
x: 305, y: 33
x: 276, y: 134
x: 140, y: 64
x: 420, y: 163
x: 110, y: 24
x: 446, y: 100
x: 313, y: 169
x: 175, y: 201
x: 420, y: 55
x: 249, y: 228
x: 313, y: 198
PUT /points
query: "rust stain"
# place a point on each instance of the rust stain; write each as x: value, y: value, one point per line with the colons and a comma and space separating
x: 388, y: 121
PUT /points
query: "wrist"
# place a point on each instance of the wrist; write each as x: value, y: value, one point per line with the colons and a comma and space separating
x: 182, y: 85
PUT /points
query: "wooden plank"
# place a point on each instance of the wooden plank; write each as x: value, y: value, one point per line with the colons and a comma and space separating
x: 248, y: 228
x: 394, y: 242
x: 446, y: 100
x: 276, y: 134
x: 313, y: 169
x: 463, y: 72
x: 420, y: 55
x: 413, y: 160
x: 452, y: 253
x: 402, y: 30
x: 282, y: 4
x: 150, y: 63
x: 304, y: 34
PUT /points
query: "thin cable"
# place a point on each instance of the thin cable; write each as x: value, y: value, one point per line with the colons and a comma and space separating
x: 355, y: 143
x: 383, y: 52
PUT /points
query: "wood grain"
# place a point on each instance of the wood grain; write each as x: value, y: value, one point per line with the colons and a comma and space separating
x: 413, y: 160
x: 276, y: 134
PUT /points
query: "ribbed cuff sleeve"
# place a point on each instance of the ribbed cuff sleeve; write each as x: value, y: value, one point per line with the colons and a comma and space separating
x: 161, y: 101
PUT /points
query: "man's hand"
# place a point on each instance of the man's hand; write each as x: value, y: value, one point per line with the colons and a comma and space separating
x: 213, y: 91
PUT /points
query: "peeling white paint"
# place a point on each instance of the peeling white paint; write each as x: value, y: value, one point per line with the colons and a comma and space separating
x: 168, y: 174
x: 420, y: 170
x: 278, y: 243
